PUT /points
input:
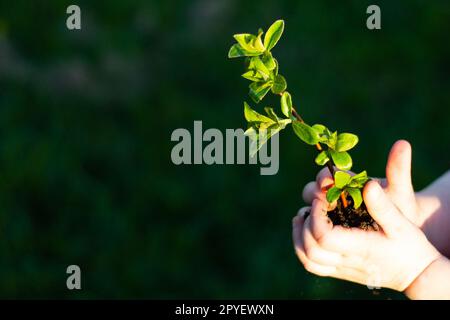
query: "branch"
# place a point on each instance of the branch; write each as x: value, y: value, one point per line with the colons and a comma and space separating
x: 330, y: 163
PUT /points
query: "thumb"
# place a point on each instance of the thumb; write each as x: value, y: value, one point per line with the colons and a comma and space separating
x: 382, y: 210
x: 398, y: 175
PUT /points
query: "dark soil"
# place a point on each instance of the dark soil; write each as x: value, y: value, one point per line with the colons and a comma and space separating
x: 352, y: 218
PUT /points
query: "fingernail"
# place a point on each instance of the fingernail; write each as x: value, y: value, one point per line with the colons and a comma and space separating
x: 374, y: 189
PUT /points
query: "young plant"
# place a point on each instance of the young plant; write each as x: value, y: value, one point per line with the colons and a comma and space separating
x: 262, y: 70
x: 345, y: 183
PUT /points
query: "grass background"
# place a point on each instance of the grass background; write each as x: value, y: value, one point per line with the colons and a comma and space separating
x: 85, y: 124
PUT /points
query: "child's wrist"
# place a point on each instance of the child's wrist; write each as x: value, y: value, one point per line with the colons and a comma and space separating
x: 421, y: 287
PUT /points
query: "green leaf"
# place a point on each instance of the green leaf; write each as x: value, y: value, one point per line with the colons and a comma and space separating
x: 333, y: 194
x: 356, y: 196
x: 359, y: 180
x: 341, y: 179
x: 258, y: 43
x: 236, y: 51
x: 253, y: 75
x: 268, y: 60
x: 286, y: 104
x: 272, y: 115
x: 284, y: 122
x: 361, y: 175
x: 257, y: 65
x: 322, y: 158
x: 279, y: 84
x: 331, y: 141
x: 253, y: 116
x: 255, y: 145
x: 258, y: 90
x: 320, y: 128
x: 245, y: 40
x: 342, y: 160
x: 273, y: 34
x: 275, y: 71
x: 306, y: 133
x: 250, y: 43
x: 323, y: 132
x: 346, y: 141
x: 260, y: 136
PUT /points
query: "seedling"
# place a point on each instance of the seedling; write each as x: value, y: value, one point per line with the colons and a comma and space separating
x: 344, y: 182
x: 262, y: 70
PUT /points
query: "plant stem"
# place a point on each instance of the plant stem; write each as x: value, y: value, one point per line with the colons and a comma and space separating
x: 294, y: 112
x: 330, y: 164
x: 343, y: 199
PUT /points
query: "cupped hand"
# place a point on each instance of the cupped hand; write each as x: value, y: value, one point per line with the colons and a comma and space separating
x: 424, y: 209
x: 394, y: 255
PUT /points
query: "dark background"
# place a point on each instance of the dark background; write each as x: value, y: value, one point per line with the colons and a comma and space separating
x: 86, y: 118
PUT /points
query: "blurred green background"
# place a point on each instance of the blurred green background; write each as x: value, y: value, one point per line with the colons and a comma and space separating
x: 86, y: 118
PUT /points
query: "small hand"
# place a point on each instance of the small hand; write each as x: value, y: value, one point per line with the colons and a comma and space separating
x: 398, y: 253
x: 424, y: 209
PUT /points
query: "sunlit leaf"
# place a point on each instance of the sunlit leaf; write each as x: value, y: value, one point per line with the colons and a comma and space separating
x: 359, y: 180
x: 342, y: 160
x: 279, y: 84
x: 257, y: 65
x: 258, y: 43
x: 356, y: 196
x: 259, y: 137
x: 286, y: 104
x: 323, y: 132
x: 268, y: 60
x: 258, y: 90
x: 273, y: 34
x: 306, y: 133
x: 331, y: 141
x: 236, y: 51
x: 253, y: 116
x: 275, y: 71
x: 322, y: 158
x: 346, y: 141
x: 341, y: 179
x: 253, y: 75
x: 333, y: 194
x: 249, y: 43
x: 271, y: 114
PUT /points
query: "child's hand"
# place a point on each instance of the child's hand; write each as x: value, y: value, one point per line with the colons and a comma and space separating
x: 395, y: 255
x: 426, y: 209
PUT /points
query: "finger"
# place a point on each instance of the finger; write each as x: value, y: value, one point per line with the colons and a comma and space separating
x: 398, y: 168
x: 310, y: 191
x: 398, y: 175
x: 314, y: 252
x: 304, y: 212
x: 382, y: 210
x: 297, y: 232
x: 381, y: 181
x: 319, y: 222
x: 318, y: 269
x: 347, y: 241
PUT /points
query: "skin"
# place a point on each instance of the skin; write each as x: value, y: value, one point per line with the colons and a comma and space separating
x: 407, y: 254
